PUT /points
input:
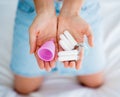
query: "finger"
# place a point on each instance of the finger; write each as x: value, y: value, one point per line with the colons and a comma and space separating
x: 32, y: 39
x: 47, y: 66
x: 40, y: 62
x: 60, y: 48
x: 72, y: 64
x: 90, y: 38
x: 66, y: 64
x: 56, y: 51
x: 58, y: 40
x: 79, y: 62
x: 52, y: 64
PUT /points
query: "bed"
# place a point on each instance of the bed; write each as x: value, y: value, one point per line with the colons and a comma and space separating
x: 62, y: 86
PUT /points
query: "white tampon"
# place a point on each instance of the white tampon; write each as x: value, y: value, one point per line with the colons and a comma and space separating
x: 68, y: 53
x: 64, y: 39
x: 68, y: 58
x: 63, y: 45
x: 70, y: 38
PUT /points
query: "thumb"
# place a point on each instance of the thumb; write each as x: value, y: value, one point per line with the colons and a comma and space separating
x: 32, y: 40
x: 90, y: 38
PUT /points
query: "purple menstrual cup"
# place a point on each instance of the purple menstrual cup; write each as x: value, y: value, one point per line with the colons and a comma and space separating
x: 47, y: 51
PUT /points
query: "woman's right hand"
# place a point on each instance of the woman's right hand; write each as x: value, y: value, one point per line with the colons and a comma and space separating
x: 43, y: 28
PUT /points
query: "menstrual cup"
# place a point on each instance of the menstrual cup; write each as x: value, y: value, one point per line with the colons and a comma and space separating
x: 47, y: 51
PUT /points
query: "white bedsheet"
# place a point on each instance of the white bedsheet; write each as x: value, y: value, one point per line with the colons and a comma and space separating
x: 62, y: 86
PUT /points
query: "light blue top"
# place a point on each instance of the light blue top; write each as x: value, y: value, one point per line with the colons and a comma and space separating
x: 31, y: 3
x: 25, y: 64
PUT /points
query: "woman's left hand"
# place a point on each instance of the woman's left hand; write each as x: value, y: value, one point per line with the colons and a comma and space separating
x: 78, y: 28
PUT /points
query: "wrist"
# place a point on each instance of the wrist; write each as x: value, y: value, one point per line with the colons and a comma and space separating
x: 67, y: 12
x: 44, y: 6
x: 71, y: 7
x: 46, y: 11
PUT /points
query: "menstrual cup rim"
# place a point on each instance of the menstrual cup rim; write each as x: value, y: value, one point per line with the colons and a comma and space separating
x: 43, y: 58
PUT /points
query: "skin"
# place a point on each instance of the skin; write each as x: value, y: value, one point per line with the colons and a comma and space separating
x: 47, y: 22
x: 37, y: 29
x: 25, y: 85
x: 43, y: 28
x: 44, y: 23
x: 78, y: 30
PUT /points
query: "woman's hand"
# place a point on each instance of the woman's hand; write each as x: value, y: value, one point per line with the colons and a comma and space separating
x: 78, y: 29
x: 43, y: 28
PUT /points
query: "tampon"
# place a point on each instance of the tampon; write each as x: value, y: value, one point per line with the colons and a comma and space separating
x: 68, y: 58
x: 68, y: 53
x: 64, y: 39
x: 70, y: 38
x: 63, y: 45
